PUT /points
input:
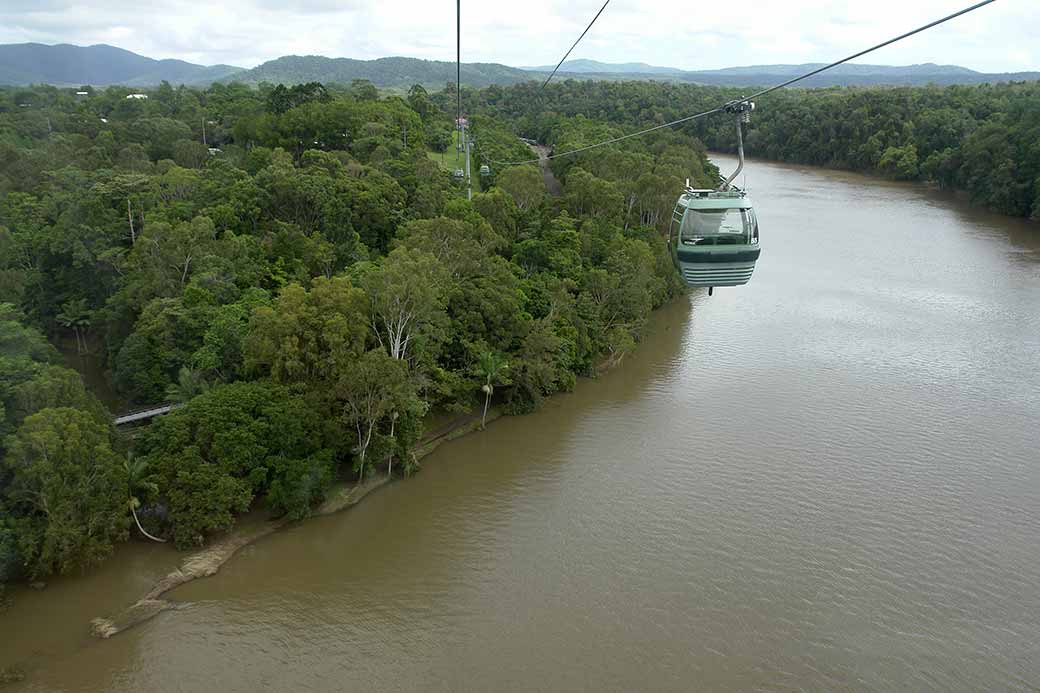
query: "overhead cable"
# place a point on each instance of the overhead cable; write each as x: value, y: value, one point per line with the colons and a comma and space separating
x: 756, y: 95
x: 575, y: 43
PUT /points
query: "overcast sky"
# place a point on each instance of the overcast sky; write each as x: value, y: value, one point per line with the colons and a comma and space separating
x: 1001, y: 37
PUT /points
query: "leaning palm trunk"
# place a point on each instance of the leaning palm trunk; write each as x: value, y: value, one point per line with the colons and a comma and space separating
x: 133, y: 512
x: 487, y: 401
x: 390, y: 457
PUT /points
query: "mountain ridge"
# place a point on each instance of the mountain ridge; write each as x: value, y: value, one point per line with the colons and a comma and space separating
x: 393, y: 71
x: 65, y: 64
x: 104, y: 65
x: 582, y: 65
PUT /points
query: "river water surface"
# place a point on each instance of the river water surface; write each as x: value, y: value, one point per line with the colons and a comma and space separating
x: 827, y: 479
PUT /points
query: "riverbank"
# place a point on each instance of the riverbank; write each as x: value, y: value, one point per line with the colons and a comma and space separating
x: 174, y: 572
x: 208, y: 561
x: 824, y: 480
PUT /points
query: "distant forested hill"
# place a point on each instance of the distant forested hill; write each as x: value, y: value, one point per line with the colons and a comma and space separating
x: 762, y: 75
x: 852, y: 75
x: 585, y: 65
x: 100, y: 65
x: 383, y: 72
x: 404, y: 72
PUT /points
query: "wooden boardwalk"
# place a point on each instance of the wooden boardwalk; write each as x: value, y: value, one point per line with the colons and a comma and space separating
x: 145, y: 414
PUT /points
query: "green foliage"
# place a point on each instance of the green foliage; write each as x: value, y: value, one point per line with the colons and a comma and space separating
x: 309, y: 335
x: 419, y: 101
x: 900, y: 162
x: 200, y: 497
x: 407, y: 296
x: 12, y: 565
x: 138, y: 479
x: 190, y: 154
x: 68, y: 489
x: 299, y: 484
x: 374, y: 388
x: 313, y: 290
x: 51, y: 386
x: 492, y: 368
x: 539, y: 371
x: 30, y: 381
x: 212, y: 457
x: 594, y: 197
x: 223, y: 342
x: 978, y: 138
x: 524, y: 184
x: 190, y: 383
x: 282, y: 98
x: 17, y: 340
x: 139, y: 485
x: 364, y: 90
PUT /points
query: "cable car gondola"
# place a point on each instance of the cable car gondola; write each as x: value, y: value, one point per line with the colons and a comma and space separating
x: 714, y: 233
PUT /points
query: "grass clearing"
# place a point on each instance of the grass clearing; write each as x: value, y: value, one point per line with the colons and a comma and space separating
x: 451, y: 158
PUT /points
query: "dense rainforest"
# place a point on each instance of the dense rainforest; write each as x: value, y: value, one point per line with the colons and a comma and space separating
x: 299, y: 269
x: 981, y: 139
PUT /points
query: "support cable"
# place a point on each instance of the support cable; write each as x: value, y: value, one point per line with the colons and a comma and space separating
x: 459, y: 62
x: 746, y: 99
x: 575, y: 43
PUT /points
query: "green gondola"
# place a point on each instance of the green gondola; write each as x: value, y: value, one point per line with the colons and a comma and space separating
x: 714, y: 233
x: 714, y: 238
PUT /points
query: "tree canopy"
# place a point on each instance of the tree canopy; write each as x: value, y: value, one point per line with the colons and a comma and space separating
x: 300, y: 269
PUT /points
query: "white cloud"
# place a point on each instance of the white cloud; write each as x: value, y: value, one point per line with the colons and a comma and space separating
x: 997, y: 38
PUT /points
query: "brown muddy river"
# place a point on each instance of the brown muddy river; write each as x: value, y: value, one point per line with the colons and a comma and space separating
x: 826, y: 480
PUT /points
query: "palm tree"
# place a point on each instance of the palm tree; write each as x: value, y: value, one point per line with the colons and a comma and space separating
x: 493, y: 368
x: 76, y: 316
x: 136, y: 472
x: 393, y: 442
x: 190, y: 383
